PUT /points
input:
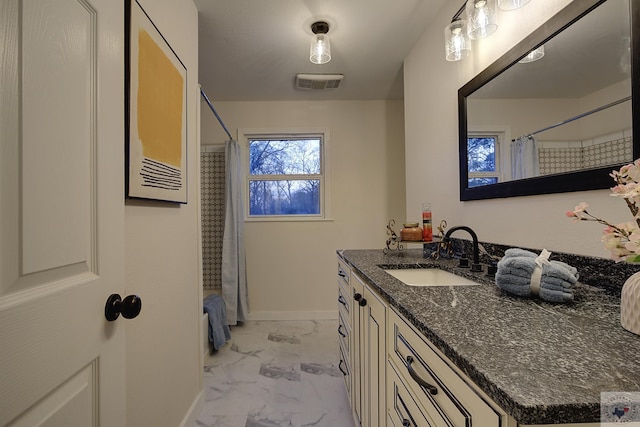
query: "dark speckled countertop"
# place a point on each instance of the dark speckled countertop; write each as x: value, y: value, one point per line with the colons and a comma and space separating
x: 542, y: 363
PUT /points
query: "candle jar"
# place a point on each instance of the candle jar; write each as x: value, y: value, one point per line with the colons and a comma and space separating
x: 411, y: 232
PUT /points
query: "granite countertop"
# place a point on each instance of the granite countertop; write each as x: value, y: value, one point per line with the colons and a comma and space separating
x: 543, y: 363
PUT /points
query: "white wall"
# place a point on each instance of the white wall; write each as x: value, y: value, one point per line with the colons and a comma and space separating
x: 528, y: 115
x: 291, y: 266
x: 431, y: 86
x: 163, y: 265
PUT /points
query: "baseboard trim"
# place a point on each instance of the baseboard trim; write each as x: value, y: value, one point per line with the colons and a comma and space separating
x: 293, y: 315
x: 196, y: 407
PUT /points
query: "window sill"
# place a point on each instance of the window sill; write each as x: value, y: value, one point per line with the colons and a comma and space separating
x: 288, y: 219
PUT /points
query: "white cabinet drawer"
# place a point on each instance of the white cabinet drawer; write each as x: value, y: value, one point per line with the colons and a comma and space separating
x: 344, y: 291
x: 402, y: 408
x: 344, y: 332
x: 438, y: 387
x: 345, y: 368
x: 344, y: 273
x: 345, y: 300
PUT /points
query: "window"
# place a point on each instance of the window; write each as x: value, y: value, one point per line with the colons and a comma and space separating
x: 483, y: 159
x: 286, y: 176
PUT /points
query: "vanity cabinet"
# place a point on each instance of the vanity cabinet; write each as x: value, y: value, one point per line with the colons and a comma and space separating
x: 398, y: 377
x: 434, y: 390
x: 368, y: 355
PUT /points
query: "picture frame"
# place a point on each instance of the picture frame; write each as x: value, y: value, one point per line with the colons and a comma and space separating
x: 156, y: 112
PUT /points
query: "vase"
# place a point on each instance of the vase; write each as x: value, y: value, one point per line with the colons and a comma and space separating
x: 630, y: 304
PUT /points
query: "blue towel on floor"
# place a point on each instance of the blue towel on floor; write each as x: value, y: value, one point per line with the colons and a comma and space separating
x: 516, y: 268
x: 219, y: 332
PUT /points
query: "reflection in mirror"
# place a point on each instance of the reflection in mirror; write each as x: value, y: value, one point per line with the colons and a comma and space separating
x: 558, y: 123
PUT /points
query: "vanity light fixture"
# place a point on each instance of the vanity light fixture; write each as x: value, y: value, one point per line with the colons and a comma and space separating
x: 479, y: 21
x: 320, y: 52
x: 534, y: 55
x: 482, y: 18
x: 511, y: 4
x: 456, y: 40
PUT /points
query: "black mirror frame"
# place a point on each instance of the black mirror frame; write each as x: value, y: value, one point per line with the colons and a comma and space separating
x: 592, y: 179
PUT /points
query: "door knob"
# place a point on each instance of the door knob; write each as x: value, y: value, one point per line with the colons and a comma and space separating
x: 130, y: 307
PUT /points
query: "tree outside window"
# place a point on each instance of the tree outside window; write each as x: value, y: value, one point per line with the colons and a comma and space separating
x: 285, y: 176
x: 482, y: 160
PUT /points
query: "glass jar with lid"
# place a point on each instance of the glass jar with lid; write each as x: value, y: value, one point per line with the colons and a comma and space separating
x: 411, y: 232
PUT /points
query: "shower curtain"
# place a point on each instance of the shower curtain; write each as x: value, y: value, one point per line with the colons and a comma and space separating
x: 524, y: 158
x: 234, y: 272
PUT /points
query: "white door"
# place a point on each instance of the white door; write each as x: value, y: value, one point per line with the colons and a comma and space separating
x: 61, y: 212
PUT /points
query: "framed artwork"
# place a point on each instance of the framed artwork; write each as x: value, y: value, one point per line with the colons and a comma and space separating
x: 156, y: 113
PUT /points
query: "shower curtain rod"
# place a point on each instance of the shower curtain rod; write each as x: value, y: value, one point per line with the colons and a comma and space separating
x: 206, y: 98
x: 579, y: 116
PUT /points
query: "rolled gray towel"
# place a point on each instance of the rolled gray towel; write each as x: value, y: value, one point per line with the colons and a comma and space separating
x: 524, y: 267
x: 521, y: 286
x: 513, y: 252
x: 517, y: 252
x: 555, y: 296
x: 550, y: 280
x: 517, y: 267
x: 525, y: 282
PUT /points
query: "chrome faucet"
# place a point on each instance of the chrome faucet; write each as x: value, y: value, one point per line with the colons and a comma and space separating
x: 476, y: 267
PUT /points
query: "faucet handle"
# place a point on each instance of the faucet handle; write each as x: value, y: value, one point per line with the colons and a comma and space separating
x: 492, y: 269
x: 463, y: 263
x: 476, y: 268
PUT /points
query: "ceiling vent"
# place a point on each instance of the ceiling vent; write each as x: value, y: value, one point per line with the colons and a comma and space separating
x: 318, y: 81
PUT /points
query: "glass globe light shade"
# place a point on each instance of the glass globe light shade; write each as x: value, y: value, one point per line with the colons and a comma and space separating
x: 482, y: 18
x: 320, y: 52
x: 511, y: 4
x: 456, y: 41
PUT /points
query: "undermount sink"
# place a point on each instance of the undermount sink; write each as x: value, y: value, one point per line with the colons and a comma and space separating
x: 429, y: 277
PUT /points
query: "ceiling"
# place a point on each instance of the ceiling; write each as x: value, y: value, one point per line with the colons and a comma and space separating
x: 251, y: 50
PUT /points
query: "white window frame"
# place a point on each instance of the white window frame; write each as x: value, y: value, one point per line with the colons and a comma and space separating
x: 245, y: 135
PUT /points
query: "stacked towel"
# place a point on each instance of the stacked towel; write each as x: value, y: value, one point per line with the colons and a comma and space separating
x: 524, y: 273
x: 219, y: 332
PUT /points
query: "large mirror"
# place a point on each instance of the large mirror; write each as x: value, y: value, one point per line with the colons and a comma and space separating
x: 560, y: 123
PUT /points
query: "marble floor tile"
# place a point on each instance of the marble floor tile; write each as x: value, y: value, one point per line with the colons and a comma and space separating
x: 276, y: 374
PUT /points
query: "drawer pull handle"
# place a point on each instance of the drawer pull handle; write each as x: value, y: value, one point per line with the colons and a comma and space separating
x: 432, y: 389
x: 406, y: 423
x: 340, y: 367
x: 342, y: 301
x: 340, y: 331
x: 341, y: 273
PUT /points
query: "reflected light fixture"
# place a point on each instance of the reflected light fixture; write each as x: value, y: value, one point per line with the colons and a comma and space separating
x: 534, y: 55
x: 320, y: 52
x: 511, y: 4
x: 456, y: 41
x: 482, y: 18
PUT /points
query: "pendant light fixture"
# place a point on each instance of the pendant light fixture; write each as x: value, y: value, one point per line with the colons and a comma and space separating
x: 456, y: 41
x: 511, y: 4
x: 477, y: 19
x: 482, y: 18
x: 320, y: 52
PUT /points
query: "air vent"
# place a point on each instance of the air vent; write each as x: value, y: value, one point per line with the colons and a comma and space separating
x: 318, y: 81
